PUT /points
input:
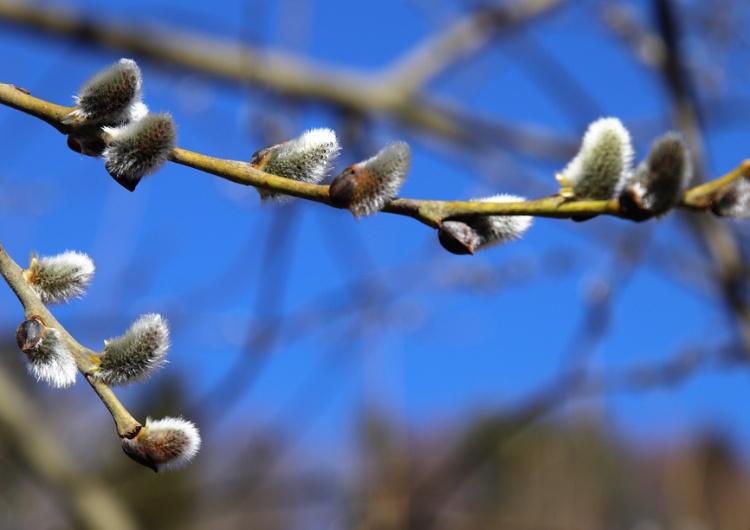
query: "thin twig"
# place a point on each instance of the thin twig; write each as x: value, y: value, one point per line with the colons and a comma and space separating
x: 463, y: 37
x: 127, y: 426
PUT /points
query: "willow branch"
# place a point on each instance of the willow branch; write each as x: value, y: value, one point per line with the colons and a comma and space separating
x: 20, y: 99
x: 430, y: 212
x: 127, y: 426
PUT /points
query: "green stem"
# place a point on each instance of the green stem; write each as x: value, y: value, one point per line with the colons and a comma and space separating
x: 701, y: 197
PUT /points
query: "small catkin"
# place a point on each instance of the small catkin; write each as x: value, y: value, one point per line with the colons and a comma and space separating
x: 110, y: 97
x: 469, y: 234
x: 307, y: 158
x: 137, y: 354
x: 602, y: 165
x: 659, y: 181
x: 139, y: 148
x: 60, y: 278
x: 365, y: 188
x: 165, y: 444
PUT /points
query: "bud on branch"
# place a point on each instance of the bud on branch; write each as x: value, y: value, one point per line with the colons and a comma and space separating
x: 139, y: 148
x: 110, y: 97
x: 366, y: 187
x: 602, y: 165
x: 659, y: 181
x: 469, y: 234
x: 137, y: 354
x: 307, y: 158
x: 49, y: 358
x: 166, y: 444
x: 60, y: 278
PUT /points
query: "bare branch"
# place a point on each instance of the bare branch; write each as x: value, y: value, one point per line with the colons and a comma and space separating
x: 461, y: 38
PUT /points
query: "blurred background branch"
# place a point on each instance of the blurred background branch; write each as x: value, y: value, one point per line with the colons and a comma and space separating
x: 88, y: 498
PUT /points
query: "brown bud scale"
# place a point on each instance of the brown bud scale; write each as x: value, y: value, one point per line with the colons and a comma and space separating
x: 29, y: 334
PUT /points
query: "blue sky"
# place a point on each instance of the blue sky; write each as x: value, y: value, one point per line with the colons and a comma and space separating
x: 447, y: 336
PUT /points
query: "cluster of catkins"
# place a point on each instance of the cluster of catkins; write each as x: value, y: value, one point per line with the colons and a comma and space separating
x: 366, y: 187
x: 162, y: 444
x: 603, y: 170
x: 113, y: 122
x: 136, y: 143
x: 363, y: 188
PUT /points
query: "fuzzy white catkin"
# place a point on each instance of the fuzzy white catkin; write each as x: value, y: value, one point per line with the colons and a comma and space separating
x: 60, y: 278
x: 51, y: 361
x: 499, y: 229
x: 603, y: 163
x: 660, y: 180
x: 165, y: 444
x: 469, y: 234
x: 366, y: 187
x: 137, y: 354
x: 139, y: 148
x: 111, y: 97
x: 307, y: 158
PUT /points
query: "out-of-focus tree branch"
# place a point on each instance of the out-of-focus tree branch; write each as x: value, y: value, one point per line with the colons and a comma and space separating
x: 93, y: 504
x: 718, y: 240
x: 660, y: 50
x: 465, y: 36
x: 390, y: 93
